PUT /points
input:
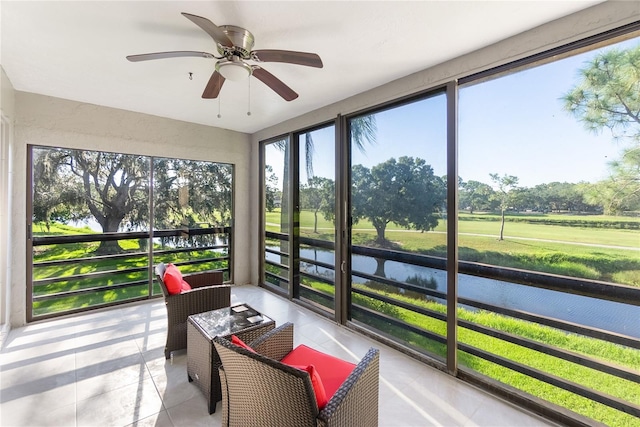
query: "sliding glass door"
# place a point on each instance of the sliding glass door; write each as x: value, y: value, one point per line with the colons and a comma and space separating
x: 276, y: 218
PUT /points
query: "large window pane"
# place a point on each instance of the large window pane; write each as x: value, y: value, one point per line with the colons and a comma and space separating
x: 91, y: 225
x: 192, y: 214
x: 95, y: 194
x: 549, y: 198
x: 317, y: 216
x: 276, y: 217
x: 398, y: 196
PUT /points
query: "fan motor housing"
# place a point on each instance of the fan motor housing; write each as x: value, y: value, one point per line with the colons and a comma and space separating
x: 241, y: 38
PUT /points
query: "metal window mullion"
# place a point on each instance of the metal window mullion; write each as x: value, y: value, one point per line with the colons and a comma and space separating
x: 452, y: 227
x: 230, y: 235
x: 29, y: 235
x: 343, y: 227
x: 294, y: 216
x: 262, y: 208
x: 152, y: 222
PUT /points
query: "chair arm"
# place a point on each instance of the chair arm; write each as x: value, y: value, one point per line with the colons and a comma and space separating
x: 355, y: 403
x: 199, y: 300
x: 205, y: 278
x: 276, y: 343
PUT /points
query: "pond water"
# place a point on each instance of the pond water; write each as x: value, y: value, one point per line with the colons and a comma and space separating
x: 607, y: 315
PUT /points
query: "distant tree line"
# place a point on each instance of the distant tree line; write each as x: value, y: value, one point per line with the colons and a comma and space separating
x: 583, y: 197
x: 407, y: 193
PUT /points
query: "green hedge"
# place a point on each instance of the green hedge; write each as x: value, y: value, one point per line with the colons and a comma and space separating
x: 566, y: 221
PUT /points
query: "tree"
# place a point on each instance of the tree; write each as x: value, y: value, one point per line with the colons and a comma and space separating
x: 56, y: 197
x: 621, y: 191
x: 113, y: 189
x: 363, y: 129
x: 475, y: 195
x: 110, y: 188
x: 271, y: 188
x: 318, y: 195
x: 505, y: 185
x: 520, y: 199
x: 192, y: 194
x: 210, y: 187
x: 608, y: 96
x: 405, y: 192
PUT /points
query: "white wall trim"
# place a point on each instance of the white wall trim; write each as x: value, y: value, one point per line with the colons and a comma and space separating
x: 6, y: 258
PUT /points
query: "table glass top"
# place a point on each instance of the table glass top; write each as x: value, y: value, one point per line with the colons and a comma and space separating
x: 229, y: 320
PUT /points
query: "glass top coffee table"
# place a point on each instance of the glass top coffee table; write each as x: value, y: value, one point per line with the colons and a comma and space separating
x: 203, y: 362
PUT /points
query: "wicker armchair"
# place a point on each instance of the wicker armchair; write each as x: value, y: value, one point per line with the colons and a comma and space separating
x: 260, y: 391
x: 208, y: 293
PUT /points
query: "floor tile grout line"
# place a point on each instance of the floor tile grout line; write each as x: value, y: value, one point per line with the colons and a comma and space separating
x: 147, y: 347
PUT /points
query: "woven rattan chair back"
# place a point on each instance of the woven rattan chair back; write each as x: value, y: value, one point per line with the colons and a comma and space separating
x: 259, y: 391
x: 207, y: 293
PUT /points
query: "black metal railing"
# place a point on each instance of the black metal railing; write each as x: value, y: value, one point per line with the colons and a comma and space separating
x: 277, y: 273
x: 80, y: 283
x: 567, y: 285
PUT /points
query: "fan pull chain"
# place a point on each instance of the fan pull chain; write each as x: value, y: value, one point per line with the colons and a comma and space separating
x: 219, y: 115
x: 249, y: 97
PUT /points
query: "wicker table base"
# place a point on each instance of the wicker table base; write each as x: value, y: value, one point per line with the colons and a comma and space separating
x: 202, y: 359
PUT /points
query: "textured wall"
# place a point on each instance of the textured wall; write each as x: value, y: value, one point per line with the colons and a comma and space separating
x: 7, y: 110
x: 7, y: 95
x: 47, y: 121
x: 595, y: 20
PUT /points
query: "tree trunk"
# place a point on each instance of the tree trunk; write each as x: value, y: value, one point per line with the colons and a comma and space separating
x: 380, y: 229
x: 380, y: 267
x: 315, y: 222
x: 315, y: 258
x: 110, y: 247
x: 502, y: 226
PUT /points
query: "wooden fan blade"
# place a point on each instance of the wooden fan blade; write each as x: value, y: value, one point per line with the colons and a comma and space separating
x: 288, y: 56
x: 213, y: 87
x: 274, y: 83
x: 164, y: 55
x: 210, y: 28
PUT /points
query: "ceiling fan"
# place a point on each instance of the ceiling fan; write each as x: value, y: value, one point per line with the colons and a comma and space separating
x: 234, y: 44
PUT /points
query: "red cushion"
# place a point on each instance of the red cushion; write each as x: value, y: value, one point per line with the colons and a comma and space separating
x: 172, y: 279
x: 332, y: 371
x: 184, y: 286
x: 316, y: 382
x: 237, y: 341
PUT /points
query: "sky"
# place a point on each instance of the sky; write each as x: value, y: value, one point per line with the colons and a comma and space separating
x: 513, y: 125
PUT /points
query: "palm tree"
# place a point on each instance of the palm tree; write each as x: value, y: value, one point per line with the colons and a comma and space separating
x: 363, y: 129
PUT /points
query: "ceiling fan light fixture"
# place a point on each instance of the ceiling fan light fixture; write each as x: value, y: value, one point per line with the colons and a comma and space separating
x: 234, y: 71
x: 235, y: 46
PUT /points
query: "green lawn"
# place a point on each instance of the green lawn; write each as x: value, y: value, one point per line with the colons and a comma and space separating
x: 597, y: 349
x: 490, y: 227
x: 614, y: 386
x: 120, y: 268
x: 597, y: 253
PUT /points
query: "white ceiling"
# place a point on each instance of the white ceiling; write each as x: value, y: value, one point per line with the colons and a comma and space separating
x: 76, y: 50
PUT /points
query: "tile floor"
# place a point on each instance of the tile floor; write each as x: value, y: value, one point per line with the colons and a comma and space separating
x: 108, y: 369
